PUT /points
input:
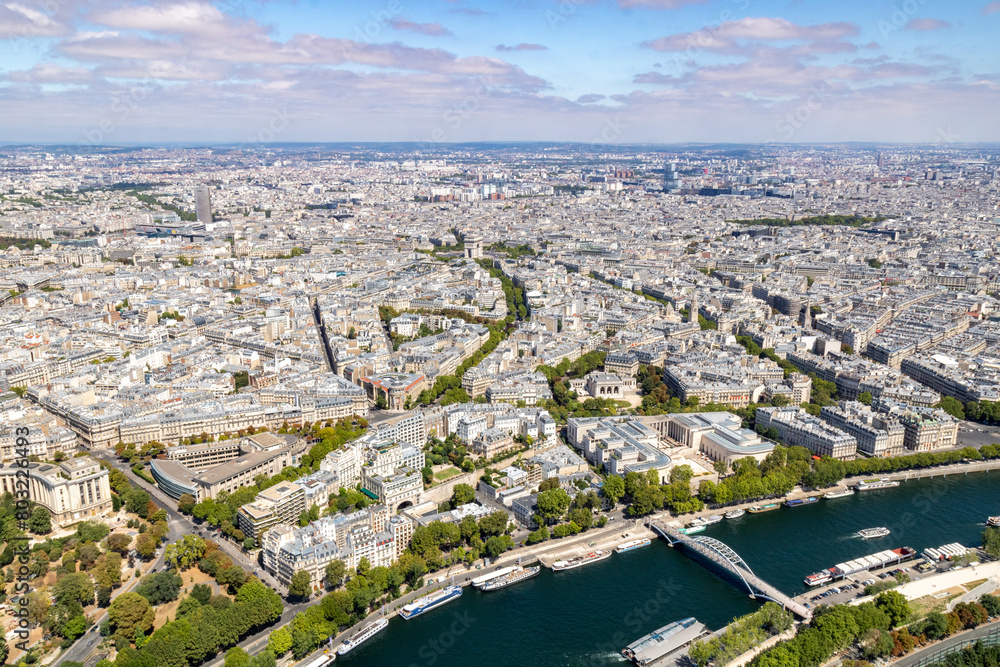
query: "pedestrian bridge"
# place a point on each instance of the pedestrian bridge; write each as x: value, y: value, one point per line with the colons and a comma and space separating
x: 723, y: 556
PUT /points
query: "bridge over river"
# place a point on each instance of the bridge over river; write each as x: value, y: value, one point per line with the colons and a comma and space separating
x: 721, y: 555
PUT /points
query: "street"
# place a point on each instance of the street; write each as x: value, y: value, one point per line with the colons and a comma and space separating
x: 941, y: 648
x: 975, y: 435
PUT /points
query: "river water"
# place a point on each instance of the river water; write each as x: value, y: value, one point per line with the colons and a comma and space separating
x: 584, y: 617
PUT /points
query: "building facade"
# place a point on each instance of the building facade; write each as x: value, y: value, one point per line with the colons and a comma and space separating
x: 72, y: 491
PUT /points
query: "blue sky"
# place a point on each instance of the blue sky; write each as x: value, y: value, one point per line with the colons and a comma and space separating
x: 595, y: 71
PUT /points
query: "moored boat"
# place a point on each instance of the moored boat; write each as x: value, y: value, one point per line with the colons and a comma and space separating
x: 586, y: 559
x: 483, y: 579
x: 819, y: 578
x: 839, y: 493
x: 799, y: 502
x: 691, y: 530
x: 632, y: 544
x: 663, y: 641
x: 735, y: 514
x: 757, y: 509
x: 711, y: 520
x: 519, y: 574
x: 876, y: 560
x: 362, y: 636
x: 430, y: 601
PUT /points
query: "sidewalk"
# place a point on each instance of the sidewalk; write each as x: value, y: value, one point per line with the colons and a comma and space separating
x: 945, y: 580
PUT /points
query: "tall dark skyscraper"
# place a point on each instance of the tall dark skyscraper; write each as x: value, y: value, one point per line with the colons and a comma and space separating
x: 671, y: 179
x: 203, y: 204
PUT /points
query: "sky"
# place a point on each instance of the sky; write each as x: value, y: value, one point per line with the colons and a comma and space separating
x: 601, y: 72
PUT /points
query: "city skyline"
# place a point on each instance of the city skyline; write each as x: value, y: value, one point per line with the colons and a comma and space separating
x: 602, y: 73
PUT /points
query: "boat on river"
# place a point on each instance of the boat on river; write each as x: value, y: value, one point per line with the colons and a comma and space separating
x: 758, y: 509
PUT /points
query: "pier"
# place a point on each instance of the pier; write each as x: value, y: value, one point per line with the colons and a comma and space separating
x: 724, y: 557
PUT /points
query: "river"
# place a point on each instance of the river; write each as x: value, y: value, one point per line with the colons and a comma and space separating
x: 583, y: 617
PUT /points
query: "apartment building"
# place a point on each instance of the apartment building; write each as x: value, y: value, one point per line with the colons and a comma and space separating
x: 928, y: 429
x: 877, y: 434
x: 279, y: 504
x: 493, y: 441
x: 370, y: 533
x: 797, y: 427
x: 397, y: 489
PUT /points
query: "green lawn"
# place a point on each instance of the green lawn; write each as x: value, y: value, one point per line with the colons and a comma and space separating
x: 140, y: 470
x: 447, y: 473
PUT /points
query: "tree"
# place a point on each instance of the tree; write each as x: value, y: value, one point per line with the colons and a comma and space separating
x: 552, y: 504
x: 991, y: 604
x: 280, y: 641
x: 469, y: 529
x: 646, y: 500
x: 334, y: 574
x: 202, y: 593
x: 876, y: 643
x: 145, y: 546
x: 895, y: 605
x: 463, y: 494
x: 537, y: 536
x: 264, y: 603
x: 232, y: 577
x: 137, y: 502
x: 935, y: 626
x: 39, y: 605
x: 839, y: 625
x: 93, y: 531
x: 681, y: 474
x: 237, y: 657
x: 40, y: 523
x: 494, y: 524
x: 952, y: 406
x: 160, y: 587
x: 75, y: 587
x: 66, y: 617
x: 128, y: 612
x: 301, y: 585
x: 187, y: 605
x: 613, y: 489
x: 721, y: 467
x: 186, y: 551
x: 581, y: 516
x: 186, y: 503
x: 119, y: 542
x: 779, y: 656
x: 991, y: 542
x: 497, y: 544
x: 865, y: 397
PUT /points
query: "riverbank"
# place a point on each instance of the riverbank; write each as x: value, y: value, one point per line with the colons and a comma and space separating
x: 799, y: 492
